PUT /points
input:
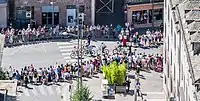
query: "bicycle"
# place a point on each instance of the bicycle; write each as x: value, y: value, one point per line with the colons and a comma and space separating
x: 99, y: 50
x: 75, y: 53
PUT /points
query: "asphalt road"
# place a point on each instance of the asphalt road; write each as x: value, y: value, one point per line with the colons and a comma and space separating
x: 46, y: 54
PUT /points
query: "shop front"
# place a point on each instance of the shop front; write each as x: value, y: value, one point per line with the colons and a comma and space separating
x: 3, y: 13
x: 23, y: 16
x: 144, y: 14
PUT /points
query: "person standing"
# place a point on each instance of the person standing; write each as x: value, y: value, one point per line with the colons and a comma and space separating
x: 124, y: 40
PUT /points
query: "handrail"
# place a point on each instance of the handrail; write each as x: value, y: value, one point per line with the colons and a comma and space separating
x: 187, y: 51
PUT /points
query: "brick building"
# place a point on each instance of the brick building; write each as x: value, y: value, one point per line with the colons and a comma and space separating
x: 141, y: 12
x: 40, y: 12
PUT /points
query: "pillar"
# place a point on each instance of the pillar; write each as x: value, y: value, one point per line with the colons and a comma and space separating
x: 129, y: 16
x: 148, y: 16
x: 93, y: 12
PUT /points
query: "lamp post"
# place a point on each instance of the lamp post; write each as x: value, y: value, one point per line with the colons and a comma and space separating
x: 52, y: 4
x: 79, y: 32
x: 152, y: 1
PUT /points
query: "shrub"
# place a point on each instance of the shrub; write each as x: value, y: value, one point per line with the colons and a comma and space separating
x: 82, y: 93
x: 115, y: 73
x: 2, y: 75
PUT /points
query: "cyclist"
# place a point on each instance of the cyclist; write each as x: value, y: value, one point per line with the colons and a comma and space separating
x: 103, y: 47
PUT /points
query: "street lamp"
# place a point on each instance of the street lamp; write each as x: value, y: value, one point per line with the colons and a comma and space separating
x: 152, y: 1
x: 52, y: 4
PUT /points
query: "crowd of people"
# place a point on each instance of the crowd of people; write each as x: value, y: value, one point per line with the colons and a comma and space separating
x: 149, y: 39
x: 65, y: 72
x: 40, y: 33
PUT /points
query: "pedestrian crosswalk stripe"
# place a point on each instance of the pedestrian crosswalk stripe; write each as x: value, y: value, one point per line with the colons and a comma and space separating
x: 26, y: 92
x: 152, y: 93
x: 34, y: 91
x: 42, y: 90
x: 66, y: 47
x: 66, y: 43
x: 66, y: 50
x: 50, y: 91
x: 66, y: 54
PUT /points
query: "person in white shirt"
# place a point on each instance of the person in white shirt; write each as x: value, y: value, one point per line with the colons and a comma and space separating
x: 39, y: 71
x: 10, y: 71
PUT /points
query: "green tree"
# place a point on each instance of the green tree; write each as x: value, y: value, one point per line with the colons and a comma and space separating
x: 2, y: 75
x: 82, y: 93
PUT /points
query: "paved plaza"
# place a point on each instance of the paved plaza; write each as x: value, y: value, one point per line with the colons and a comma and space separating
x: 46, y: 54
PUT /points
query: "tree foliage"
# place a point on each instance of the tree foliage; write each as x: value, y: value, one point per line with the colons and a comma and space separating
x: 115, y: 73
x: 82, y: 93
x: 2, y: 75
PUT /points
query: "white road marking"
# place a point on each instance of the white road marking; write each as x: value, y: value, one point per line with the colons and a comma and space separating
x: 65, y: 43
x: 25, y: 91
x: 50, y: 91
x: 156, y: 100
x: 34, y: 91
x: 42, y: 90
x: 15, y: 51
x: 66, y: 47
x: 66, y: 50
x: 66, y: 54
x: 58, y: 89
x: 44, y: 48
x: 152, y: 93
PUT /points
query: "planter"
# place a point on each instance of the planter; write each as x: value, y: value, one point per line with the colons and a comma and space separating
x: 120, y: 89
x: 112, y: 91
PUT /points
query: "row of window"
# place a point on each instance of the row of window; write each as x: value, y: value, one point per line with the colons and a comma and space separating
x: 147, y: 16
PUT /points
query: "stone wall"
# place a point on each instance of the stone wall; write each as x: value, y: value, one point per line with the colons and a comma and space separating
x: 62, y: 7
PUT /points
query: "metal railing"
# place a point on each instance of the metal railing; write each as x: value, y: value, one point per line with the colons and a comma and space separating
x: 23, y: 39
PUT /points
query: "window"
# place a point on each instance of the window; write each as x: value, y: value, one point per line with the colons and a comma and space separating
x: 171, y: 59
x: 165, y: 54
x: 175, y: 41
x: 168, y: 69
x: 174, y: 73
x: 139, y: 17
x: 157, y: 14
x: 172, y: 28
x: 168, y: 13
x: 47, y: 18
x: 168, y: 43
x: 70, y: 19
x: 165, y: 30
x: 171, y: 85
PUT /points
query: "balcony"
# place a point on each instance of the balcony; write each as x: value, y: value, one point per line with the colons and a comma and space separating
x: 136, y: 2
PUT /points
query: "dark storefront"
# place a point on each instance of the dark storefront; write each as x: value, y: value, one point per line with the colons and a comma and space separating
x: 24, y: 16
x: 109, y: 12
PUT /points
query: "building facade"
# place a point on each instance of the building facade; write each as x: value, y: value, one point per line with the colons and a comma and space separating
x: 3, y: 13
x: 42, y: 12
x: 181, y: 48
x: 142, y: 13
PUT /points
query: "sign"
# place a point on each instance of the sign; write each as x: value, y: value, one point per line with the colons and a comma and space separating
x: 28, y: 14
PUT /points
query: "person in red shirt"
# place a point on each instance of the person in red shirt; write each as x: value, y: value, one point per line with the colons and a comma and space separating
x: 124, y: 40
